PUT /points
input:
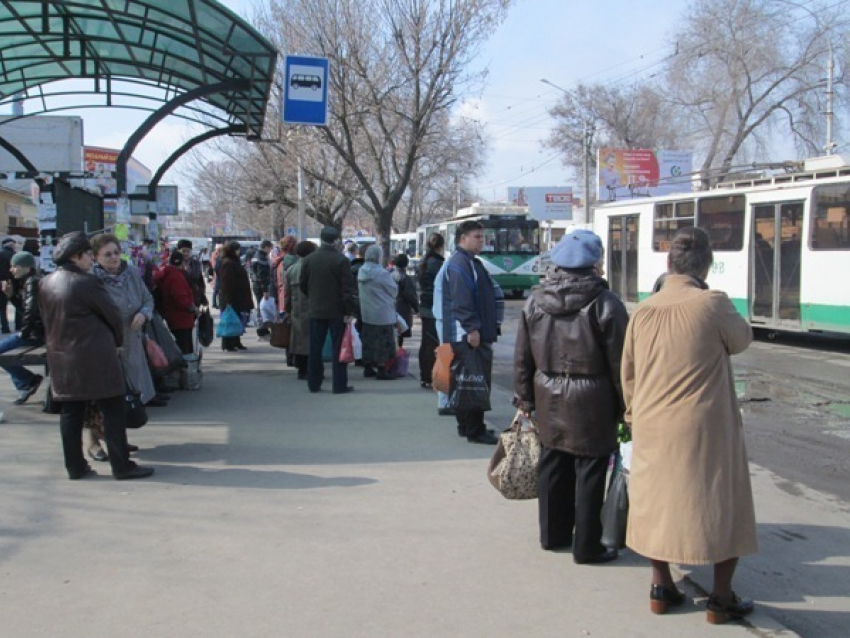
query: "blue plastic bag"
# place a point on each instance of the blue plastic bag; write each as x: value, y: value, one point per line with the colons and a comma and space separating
x: 229, y: 324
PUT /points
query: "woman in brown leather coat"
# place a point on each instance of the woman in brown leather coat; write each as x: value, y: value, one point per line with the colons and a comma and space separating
x: 83, y: 329
x: 567, y: 370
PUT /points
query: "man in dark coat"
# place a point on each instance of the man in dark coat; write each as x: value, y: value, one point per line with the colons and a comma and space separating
x: 23, y: 293
x: 83, y: 330
x: 6, y: 253
x: 327, y: 282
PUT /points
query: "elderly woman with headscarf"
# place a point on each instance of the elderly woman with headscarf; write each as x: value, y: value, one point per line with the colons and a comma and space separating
x: 567, y: 370
x: 177, y: 301
x: 297, y: 307
x: 378, y: 293
x: 83, y: 331
x: 234, y: 291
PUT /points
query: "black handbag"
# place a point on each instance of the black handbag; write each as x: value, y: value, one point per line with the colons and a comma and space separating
x: 135, y: 414
x: 51, y: 405
x: 206, y: 328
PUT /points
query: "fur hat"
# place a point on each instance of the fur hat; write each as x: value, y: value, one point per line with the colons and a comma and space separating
x: 578, y: 249
x: 69, y: 246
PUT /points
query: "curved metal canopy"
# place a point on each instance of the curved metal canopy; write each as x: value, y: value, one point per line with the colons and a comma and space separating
x: 176, y: 46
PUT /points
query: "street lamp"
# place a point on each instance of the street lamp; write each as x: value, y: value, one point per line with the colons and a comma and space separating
x: 588, y: 135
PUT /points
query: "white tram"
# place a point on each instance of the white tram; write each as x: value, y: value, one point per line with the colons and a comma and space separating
x: 781, y: 244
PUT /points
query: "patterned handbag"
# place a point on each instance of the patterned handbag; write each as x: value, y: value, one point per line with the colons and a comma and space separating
x: 513, y: 468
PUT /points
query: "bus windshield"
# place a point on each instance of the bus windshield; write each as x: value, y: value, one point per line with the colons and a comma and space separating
x: 521, y: 236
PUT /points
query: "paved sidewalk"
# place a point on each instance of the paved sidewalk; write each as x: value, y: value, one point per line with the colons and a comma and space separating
x: 276, y: 512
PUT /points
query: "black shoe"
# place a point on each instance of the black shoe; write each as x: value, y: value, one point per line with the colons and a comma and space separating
x: 345, y: 391
x: 424, y: 384
x: 156, y: 403
x: 487, y: 438
x: 383, y: 375
x: 132, y: 448
x: 139, y: 471
x: 369, y: 372
x: 661, y: 597
x: 722, y: 609
x: 162, y: 397
x: 446, y: 412
x: 554, y: 547
x: 233, y: 349
x: 605, y: 557
x: 76, y: 476
x: 31, y: 389
x: 99, y: 456
x: 302, y: 377
x: 314, y: 391
x: 239, y: 346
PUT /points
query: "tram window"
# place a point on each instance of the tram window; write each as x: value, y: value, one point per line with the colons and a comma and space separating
x: 723, y: 219
x: 490, y: 240
x: 670, y: 217
x: 831, y: 218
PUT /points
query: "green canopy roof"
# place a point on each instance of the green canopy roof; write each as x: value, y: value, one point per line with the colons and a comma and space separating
x: 172, y: 45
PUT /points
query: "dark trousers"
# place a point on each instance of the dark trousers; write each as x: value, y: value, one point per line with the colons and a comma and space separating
x: 4, y: 317
x: 427, y: 346
x: 183, y: 337
x: 299, y: 361
x: 570, y: 493
x: 114, y: 432
x: 470, y: 423
x: 315, y: 367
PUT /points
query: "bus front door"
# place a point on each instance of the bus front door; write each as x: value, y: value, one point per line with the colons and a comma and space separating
x: 623, y: 256
x: 776, y: 249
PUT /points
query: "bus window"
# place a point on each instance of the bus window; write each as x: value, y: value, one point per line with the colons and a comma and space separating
x: 490, y: 240
x: 670, y: 217
x: 830, y: 228
x: 723, y: 219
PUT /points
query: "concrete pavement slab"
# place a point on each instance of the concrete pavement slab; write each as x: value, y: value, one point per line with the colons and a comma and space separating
x: 276, y: 512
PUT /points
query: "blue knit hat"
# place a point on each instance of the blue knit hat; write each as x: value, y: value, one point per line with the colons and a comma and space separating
x: 578, y: 249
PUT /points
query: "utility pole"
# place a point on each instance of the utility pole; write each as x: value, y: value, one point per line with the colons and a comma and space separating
x: 830, y: 144
x: 301, y: 203
x: 588, y: 137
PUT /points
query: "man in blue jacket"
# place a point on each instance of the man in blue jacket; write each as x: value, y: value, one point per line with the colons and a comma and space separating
x: 470, y: 316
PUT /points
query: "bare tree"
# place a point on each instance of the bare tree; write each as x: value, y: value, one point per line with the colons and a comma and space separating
x: 636, y: 116
x: 396, y: 66
x: 744, y: 67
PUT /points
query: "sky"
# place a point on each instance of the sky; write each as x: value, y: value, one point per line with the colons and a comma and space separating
x: 564, y: 42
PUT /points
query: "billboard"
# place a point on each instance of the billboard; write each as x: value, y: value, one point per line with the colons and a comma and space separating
x: 52, y: 143
x: 100, y: 162
x: 545, y: 203
x: 625, y: 173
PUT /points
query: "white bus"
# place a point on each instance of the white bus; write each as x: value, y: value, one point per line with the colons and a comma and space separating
x: 781, y: 244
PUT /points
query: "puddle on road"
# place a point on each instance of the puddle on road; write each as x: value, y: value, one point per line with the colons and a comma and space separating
x: 758, y: 393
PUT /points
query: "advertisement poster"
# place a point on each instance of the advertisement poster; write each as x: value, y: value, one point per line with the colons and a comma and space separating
x: 545, y: 203
x: 627, y: 173
x: 100, y: 162
x: 46, y: 216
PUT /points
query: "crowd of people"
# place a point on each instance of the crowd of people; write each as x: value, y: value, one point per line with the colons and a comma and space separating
x: 581, y: 367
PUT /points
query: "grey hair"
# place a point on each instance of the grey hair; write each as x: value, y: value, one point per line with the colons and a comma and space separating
x: 374, y: 254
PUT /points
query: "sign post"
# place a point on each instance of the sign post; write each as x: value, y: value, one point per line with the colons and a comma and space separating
x: 305, y: 94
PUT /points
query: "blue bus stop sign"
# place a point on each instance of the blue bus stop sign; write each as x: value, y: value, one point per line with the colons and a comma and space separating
x: 305, y: 96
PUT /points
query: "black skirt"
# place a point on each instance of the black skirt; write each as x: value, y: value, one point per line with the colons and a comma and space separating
x: 379, y: 344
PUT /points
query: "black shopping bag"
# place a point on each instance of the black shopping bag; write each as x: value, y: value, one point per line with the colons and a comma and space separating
x: 615, y: 511
x: 469, y: 390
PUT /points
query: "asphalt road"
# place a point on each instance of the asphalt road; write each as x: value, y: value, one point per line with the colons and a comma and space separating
x: 795, y: 396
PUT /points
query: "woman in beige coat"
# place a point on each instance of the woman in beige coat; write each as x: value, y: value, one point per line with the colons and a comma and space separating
x: 690, y: 499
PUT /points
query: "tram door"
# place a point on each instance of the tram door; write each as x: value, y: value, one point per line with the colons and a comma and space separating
x: 776, y: 250
x: 623, y: 256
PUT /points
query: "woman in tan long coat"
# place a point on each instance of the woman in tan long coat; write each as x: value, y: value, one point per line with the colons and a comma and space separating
x: 690, y: 499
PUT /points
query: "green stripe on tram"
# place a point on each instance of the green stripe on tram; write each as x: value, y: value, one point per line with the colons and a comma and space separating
x: 823, y: 317
x: 814, y: 316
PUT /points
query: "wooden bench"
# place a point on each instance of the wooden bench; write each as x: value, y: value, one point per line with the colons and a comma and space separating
x: 26, y: 356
